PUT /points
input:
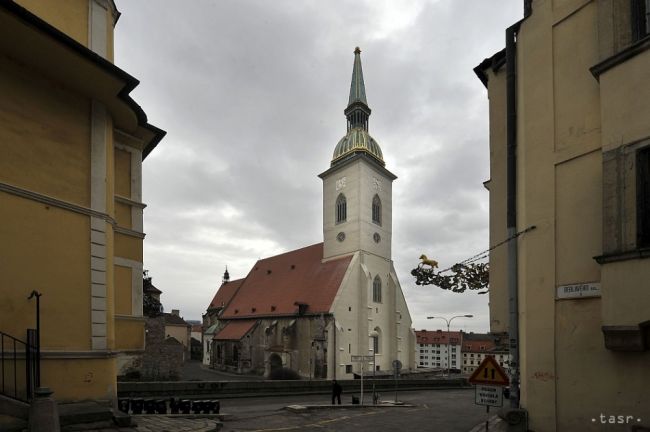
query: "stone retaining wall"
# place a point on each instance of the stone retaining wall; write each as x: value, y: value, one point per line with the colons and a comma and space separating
x: 220, y: 389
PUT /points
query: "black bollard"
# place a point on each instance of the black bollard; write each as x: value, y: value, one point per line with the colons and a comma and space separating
x: 123, y: 405
x: 173, y: 405
x: 185, y: 406
x: 137, y: 405
x: 161, y: 406
x: 150, y: 406
x: 197, y: 406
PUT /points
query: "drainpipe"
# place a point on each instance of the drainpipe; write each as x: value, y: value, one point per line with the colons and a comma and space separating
x: 511, y: 144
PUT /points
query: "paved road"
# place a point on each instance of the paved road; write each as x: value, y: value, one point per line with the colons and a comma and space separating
x: 432, y: 410
x: 195, y: 371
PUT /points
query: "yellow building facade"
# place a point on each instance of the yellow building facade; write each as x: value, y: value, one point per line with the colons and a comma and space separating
x: 72, y: 143
x: 580, y: 99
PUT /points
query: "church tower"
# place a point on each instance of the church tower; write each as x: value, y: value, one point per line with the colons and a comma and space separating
x: 357, y: 188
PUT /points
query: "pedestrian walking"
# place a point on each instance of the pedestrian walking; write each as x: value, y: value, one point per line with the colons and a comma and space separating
x: 336, y: 392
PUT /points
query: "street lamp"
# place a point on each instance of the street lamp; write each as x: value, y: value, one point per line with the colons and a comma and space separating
x: 448, y: 321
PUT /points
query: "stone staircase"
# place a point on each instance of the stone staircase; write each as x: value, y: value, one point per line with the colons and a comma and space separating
x: 13, y: 414
x: 12, y: 424
x: 78, y: 416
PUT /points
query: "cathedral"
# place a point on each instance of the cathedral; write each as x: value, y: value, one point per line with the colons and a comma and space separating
x: 307, y: 312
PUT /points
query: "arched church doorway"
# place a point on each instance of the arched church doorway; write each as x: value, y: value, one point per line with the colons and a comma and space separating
x: 275, y: 362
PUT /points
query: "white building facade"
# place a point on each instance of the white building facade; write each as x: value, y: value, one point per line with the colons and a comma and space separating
x: 438, y: 349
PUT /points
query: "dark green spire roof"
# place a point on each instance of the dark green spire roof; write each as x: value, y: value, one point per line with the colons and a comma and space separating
x: 357, y: 110
x: 357, y: 140
x: 357, y: 88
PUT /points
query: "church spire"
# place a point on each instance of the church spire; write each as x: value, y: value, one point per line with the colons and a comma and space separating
x: 357, y: 111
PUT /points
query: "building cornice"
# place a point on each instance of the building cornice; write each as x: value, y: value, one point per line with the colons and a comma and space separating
x: 620, y: 57
x: 59, y: 56
x: 54, y: 202
x: 359, y: 156
x: 130, y: 202
x: 128, y: 232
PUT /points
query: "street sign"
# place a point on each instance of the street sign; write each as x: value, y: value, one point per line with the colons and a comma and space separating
x: 489, y: 395
x: 362, y: 359
x: 489, y: 373
x: 581, y: 290
x: 397, y: 365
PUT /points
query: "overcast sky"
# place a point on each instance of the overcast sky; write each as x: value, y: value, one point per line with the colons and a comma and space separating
x: 252, y: 95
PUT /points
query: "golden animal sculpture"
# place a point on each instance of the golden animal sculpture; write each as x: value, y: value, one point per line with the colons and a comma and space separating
x: 426, y: 261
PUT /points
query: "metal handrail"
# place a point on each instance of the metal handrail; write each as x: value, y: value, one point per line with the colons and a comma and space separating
x: 31, y: 373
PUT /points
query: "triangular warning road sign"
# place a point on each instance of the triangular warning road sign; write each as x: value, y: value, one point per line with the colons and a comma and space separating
x: 489, y: 373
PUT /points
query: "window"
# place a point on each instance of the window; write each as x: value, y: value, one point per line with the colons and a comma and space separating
x: 375, y: 345
x: 376, y: 290
x: 348, y: 368
x: 376, y: 210
x: 643, y: 197
x: 341, y: 209
x: 640, y: 19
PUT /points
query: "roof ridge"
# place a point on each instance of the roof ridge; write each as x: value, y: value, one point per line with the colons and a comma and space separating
x: 288, y: 252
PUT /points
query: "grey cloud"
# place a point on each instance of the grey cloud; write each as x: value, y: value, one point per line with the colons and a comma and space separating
x: 252, y: 96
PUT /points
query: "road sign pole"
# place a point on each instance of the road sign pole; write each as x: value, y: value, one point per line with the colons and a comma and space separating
x: 362, y: 383
x: 396, y: 372
x: 487, y: 420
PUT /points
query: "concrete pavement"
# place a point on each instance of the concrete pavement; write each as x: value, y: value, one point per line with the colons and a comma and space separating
x: 155, y: 423
x: 194, y: 370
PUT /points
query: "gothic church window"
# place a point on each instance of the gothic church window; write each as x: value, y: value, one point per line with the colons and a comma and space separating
x: 341, y: 209
x: 376, y: 290
x: 374, y: 340
x: 376, y: 210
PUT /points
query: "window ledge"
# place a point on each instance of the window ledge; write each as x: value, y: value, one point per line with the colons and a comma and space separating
x: 640, y: 253
x: 634, y: 338
x: 620, y: 57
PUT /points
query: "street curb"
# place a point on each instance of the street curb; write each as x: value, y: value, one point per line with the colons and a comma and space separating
x: 301, y: 408
x: 222, y: 417
x: 495, y: 424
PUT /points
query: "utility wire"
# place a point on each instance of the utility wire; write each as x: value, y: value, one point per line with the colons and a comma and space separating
x: 479, y: 256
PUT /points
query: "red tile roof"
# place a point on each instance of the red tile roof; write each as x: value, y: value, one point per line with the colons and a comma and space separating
x: 475, y: 345
x: 276, y: 284
x: 235, y: 330
x: 225, y: 293
x: 198, y: 328
x: 437, y: 337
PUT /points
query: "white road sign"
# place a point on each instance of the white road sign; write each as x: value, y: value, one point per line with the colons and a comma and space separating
x: 489, y: 395
x: 362, y: 358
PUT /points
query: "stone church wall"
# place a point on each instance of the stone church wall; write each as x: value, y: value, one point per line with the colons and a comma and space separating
x: 162, y: 359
